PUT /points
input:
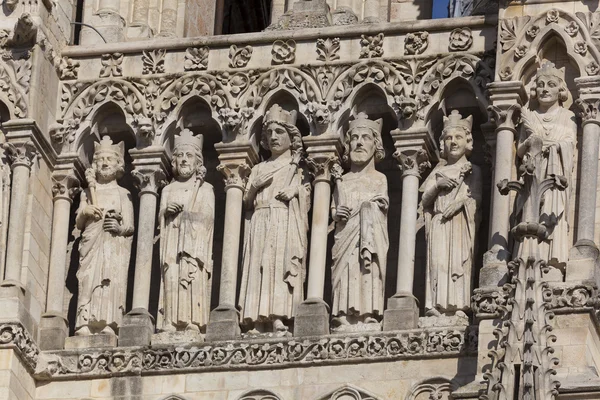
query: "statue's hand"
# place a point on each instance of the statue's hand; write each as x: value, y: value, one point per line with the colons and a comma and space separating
x: 342, y: 213
x: 287, y: 194
x: 174, y: 208
x: 263, y: 180
x: 112, y: 225
x: 93, y: 212
x: 443, y: 182
x: 452, y: 209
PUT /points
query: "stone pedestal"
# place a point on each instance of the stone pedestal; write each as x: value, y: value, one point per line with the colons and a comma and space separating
x: 224, y: 324
x: 137, y: 328
x: 402, y: 313
x: 54, y: 329
x: 90, y: 341
x: 312, y: 318
x: 177, y: 338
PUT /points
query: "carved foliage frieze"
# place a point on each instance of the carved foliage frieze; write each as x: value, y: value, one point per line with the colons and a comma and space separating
x: 371, y: 46
x: 111, y: 65
x: 15, y: 336
x: 153, y: 61
x: 239, y: 57
x: 416, y: 43
x: 328, y: 49
x: 196, y: 58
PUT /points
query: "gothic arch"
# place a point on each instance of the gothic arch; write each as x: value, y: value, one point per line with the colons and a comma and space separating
x: 432, y: 388
x: 259, y: 394
x: 174, y: 397
x: 349, y: 392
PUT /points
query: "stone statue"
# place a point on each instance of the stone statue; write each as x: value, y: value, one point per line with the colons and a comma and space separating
x: 451, y: 204
x: 187, y: 213
x: 105, y: 217
x: 359, y: 209
x: 275, y: 241
x: 555, y: 126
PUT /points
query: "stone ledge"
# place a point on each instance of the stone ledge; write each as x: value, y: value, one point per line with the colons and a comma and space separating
x: 257, y: 354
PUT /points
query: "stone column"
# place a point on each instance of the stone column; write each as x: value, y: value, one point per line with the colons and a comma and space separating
x: 54, y: 327
x: 582, y: 256
x: 506, y: 98
x: 236, y: 161
x: 312, y: 316
x: 149, y: 165
x: 413, y: 152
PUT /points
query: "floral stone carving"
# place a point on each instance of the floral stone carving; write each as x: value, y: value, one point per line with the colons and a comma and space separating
x: 196, y: 58
x: 240, y: 57
x: 111, y: 65
x: 461, y: 39
x: 283, y: 52
x: 371, y: 46
x: 416, y: 43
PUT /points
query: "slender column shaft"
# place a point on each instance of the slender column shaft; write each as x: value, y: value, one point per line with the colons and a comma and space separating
x: 144, y: 249
x: 318, y: 241
x: 371, y: 10
x: 501, y: 204
x: 231, y: 236
x: 588, y: 182
x: 16, y: 225
x: 168, y: 23
x: 58, y: 254
x: 140, y: 12
x: 408, y: 234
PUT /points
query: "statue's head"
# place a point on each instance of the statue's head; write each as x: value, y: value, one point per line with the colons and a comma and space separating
x: 456, y: 140
x: 108, y: 161
x: 187, y: 160
x: 279, y: 131
x: 550, y: 87
x: 363, y: 140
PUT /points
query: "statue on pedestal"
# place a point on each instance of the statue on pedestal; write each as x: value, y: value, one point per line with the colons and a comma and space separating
x: 277, y: 195
x: 555, y: 126
x: 451, y: 204
x: 187, y: 213
x: 359, y: 209
x: 105, y: 217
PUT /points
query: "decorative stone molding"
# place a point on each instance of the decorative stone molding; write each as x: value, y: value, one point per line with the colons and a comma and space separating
x: 239, y: 57
x: 153, y: 61
x: 490, y: 302
x: 259, y: 394
x: 283, y: 52
x: 416, y: 43
x: 328, y: 49
x: 349, y: 392
x: 565, y: 297
x: 371, y: 46
x: 67, y: 68
x: 15, y: 76
x: 258, y: 354
x: 461, y: 39
x: 196, y: 58
x: 14, y: 336
x: 111, y: 65
x: 432, y: 389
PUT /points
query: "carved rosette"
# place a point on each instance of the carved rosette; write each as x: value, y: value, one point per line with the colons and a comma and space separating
x: 412, y: 162
x: 236, y: 174
x: 323, y: 167
x: 196, y: 58
x: 21, y: 153
x: 283, y: 52
x: 65, y: 186
x: 149, y: 180
x: 111, y: 65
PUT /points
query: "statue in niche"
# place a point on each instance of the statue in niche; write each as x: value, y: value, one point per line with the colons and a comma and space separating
x: 187, y: 213
x: 105, y: 217
x: 451, y: 204
x: 555, y: 126
x: 274, y: 254
x: 359, y: 209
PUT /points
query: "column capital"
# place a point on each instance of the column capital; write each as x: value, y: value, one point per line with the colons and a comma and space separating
x: 21, y: 153
x: 65, y: 185
x: 414, y: 150
x: 507, y: 98
x: 236, y: 161
x: 589, y: 99
x: 323, y: 157
x: 150, y: 169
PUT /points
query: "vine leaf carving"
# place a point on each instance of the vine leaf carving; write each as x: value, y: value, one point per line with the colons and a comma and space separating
x: 153, y: 61
x: 510, y: 30
x: 328, y: 49
x: 592, y: 23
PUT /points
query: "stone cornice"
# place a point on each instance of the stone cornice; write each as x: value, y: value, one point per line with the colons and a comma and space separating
x: 270, y: 36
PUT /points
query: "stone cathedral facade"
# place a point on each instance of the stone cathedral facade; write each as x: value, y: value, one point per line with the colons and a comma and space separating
x: 299, y: 199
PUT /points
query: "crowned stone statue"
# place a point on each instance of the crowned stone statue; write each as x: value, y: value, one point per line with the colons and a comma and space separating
x: 451, y: 204
x: 359, y: 209
x: 277, y: 197
x: 187, y: 213
x: 548, y: 123
x: 105, y: 217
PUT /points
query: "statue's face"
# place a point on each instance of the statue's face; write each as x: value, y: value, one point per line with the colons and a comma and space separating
x: 277, y: 137
x: 185, y: 161
x: 362, y: 145
x: 547, y: 89
x: 106, y: 164
x: 455, y: 144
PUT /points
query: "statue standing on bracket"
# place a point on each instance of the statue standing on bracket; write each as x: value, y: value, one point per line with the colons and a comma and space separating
x: 359, y: 209
x: 187, y: 213
x: 451, y: 204
x: 556, y: 127
x: 105, y: 217
x: 275, y: 241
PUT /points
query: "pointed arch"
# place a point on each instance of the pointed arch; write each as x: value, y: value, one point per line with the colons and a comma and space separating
x: 432, y: 388
x: 349, y: 392
x: 259, y: 394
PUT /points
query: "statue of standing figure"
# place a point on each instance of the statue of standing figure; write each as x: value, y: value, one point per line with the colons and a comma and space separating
x: 359, y: 209
x: 555, y: 127
x: 274, y: 254
x: 451, y: 204
x: 105, y: 217
x: 187, y: 213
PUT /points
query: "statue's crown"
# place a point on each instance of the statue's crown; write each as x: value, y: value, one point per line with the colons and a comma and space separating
x: 106, y: 144
x: 362, y: 121
x: 549, y: 69
x: 187, y: 137
x: 455, y: 120
x: 278, y: 114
